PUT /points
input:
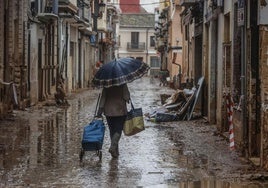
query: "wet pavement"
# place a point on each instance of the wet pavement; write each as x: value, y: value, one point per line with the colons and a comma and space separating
x: 40, y: 147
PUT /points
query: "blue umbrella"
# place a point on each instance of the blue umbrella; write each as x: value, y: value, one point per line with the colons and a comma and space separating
x: 120, y: 71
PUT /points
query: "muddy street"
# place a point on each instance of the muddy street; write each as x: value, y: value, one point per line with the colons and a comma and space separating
x: 40, y: 147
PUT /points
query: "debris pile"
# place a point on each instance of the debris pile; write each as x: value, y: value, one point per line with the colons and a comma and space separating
x: 178, y: 106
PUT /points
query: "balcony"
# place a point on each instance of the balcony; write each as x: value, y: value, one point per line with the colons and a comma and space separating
x: 80, y: 23
x: 68, y: 5
x: 136, y: 46
x: 44, y: 13
x: 46, y: 16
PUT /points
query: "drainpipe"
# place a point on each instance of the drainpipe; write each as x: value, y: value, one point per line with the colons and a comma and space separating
x: 243, y: 85
x: 95, y: 27
x: 243, y: 91
x: 55, y: 8
x: 59, y: 49
x: 146, y: 44
x: 188, y: 53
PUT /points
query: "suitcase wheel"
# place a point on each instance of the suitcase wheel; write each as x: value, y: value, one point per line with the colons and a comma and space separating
x: 99, y: 153
x: 82, y: 152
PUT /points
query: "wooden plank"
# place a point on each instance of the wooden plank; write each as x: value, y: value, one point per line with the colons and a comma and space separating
x: 199, y: 84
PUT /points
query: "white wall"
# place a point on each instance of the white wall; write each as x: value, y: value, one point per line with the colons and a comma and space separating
x: 34, y: 64
x: 263, y: 15
x: 125, y: 37
x: 228, y: 6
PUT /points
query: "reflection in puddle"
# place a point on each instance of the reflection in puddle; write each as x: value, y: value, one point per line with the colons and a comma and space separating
x: 43, y: 141
x: 56, y: 139
x: 43, y: 151
x: 208, y: 184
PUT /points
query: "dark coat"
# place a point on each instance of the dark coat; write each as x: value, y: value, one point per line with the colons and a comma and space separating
x: 113, y: 100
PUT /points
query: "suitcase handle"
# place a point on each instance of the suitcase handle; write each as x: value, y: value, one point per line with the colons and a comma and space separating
x: 97, y: 105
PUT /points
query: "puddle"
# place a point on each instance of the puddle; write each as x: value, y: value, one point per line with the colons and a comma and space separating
x: 208, y: 184
x: 42, y: 150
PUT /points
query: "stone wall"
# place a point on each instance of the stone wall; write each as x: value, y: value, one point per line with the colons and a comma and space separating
x: 264, y: 93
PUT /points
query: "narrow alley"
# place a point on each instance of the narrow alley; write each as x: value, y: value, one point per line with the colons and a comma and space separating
x: 40, y: 148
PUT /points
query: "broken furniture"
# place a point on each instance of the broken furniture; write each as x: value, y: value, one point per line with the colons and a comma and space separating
x: 181, y: 103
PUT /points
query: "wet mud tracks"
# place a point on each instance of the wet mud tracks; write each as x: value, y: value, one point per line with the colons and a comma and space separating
x: 40, y: 148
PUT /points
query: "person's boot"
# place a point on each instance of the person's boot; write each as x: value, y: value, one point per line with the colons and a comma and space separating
x: 114, y: 145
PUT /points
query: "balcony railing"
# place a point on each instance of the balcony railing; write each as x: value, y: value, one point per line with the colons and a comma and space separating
x: 136, y: 46
x: 188, y: 2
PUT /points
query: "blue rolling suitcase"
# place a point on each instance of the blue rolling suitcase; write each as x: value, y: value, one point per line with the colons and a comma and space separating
x: 93, y: 136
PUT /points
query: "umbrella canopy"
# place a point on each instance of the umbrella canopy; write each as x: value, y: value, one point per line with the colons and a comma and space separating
x: 120, y: 71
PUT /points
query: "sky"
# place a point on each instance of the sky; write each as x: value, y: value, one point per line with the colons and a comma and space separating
x: 149, y: 5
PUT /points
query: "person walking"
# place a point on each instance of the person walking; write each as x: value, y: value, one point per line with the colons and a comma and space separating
x: 113, y: 104
x: 113, y: 77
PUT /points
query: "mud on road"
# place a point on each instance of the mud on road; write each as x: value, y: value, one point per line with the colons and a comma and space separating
x: 40, y: 148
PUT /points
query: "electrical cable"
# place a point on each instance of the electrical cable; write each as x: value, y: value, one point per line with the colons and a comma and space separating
x: 141, y: 4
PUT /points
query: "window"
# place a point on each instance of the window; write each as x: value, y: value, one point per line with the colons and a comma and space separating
x: 134, y: 39
x: 155, y: 63
x: 152, y: 41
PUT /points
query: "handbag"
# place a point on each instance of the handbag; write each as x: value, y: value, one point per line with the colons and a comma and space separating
x: 134, y: 122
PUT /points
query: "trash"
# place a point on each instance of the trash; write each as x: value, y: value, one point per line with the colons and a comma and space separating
x: 163, y: 77
x: 197, y: 92
x: 189, y: 91
x: 178, y: 106
x: 60, y: 95
x: 165, y: 117
x: 178, y: 96
x: 152, y: 114
x: 163, y: 98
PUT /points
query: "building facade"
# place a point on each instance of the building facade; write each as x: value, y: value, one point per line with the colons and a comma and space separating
x: 226, y: 43
x: 169, y: 41
x: 233, y: 62
x: 48, y: 44
x: 136, y: 36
